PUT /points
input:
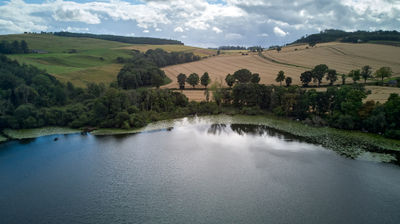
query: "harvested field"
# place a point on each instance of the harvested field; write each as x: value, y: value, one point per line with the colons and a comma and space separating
x: 343, y: 57
x: 218, y: 67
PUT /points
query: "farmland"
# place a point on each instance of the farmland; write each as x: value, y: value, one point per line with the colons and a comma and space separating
x: 83, y: 60
x: 294, y: 60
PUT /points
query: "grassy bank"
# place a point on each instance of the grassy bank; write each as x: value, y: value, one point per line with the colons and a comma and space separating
x: 38, y: 132
x: 353, y: 144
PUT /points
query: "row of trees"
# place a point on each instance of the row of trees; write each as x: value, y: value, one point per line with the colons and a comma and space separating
x: 337, y: 107
x: 193, y: 80
x: 320, y: 71
x: 15, y: 47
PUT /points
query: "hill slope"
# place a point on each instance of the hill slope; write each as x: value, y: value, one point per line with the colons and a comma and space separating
x: 79, y: 59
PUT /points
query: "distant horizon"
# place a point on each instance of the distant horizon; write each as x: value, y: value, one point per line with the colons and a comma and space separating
x: 201, y: 23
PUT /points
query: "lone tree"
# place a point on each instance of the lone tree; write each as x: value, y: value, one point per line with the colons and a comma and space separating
x: 344, y: 76
x: 242, y: 75
x: 383, y: 72
x: 288, y: 81
x: 230, y: 80
x: 278, y: 48
x: 366, y: 73
x: 319, y: 72
x: 355, y: 75
x: 280, y: 77
x: 312, y: 44
x: 205, y: 79
x: 306, y: 78
x: 193, y: 79
x: 181, y: 80
x: 331, y: 76
x: 255, y: 78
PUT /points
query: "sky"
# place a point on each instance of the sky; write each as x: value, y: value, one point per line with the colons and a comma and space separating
x: 203, y: 23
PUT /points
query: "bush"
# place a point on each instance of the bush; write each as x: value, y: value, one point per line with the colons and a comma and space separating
x: 391, y: 133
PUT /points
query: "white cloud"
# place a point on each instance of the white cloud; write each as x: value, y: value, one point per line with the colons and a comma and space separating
x: 178, y: 29
x: 279, y: 32
x: 216, y: 29
x: 146, y: 31
x: 233, y: 36
x: 263, y: 35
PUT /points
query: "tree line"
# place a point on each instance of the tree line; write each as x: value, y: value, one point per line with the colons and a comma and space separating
x: 350, y: 37
x: 14, y: 47
x: 143, y: 69
x: 123, y: 39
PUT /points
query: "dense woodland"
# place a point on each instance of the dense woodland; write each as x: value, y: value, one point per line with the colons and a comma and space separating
x: 123, y: 39
x: 142, y: 69
x: 349, y: 37
x: 15, y: 47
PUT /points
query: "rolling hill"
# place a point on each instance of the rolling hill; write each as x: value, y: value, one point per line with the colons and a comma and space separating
x: 80, y: 59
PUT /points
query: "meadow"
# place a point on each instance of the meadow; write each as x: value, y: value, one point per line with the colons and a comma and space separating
x: 83, y: 60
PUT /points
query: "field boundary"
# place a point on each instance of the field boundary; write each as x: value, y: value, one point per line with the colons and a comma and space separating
x: 279, y: 62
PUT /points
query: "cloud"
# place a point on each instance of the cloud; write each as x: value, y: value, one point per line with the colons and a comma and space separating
x: 216, y: 29
x: 178, y: 29
x: 279, y: 32
x: 242, y: 22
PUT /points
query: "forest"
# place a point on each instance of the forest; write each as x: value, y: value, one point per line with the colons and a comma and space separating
x: 14, y: 47
x: 122, y: 39
x: 349, y: 37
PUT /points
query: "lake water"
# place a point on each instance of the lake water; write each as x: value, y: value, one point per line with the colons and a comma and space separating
x: 196, y: 172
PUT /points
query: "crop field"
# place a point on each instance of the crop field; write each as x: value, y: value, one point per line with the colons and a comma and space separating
x: 218, y: 67
x: 343, y: 57
x: 202, y: 52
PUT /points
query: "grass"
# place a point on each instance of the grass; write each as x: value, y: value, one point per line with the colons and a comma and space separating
x: 37, y: 132
x: 3, y: 138
x: 170, y: 48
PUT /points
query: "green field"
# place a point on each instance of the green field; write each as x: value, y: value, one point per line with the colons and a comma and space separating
x: 93, y: 60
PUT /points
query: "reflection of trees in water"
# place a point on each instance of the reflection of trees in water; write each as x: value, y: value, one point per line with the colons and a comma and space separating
x: 260, y: 130
x: 216, y: 129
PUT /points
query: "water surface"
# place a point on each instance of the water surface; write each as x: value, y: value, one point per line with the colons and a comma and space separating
x: 197, y: 172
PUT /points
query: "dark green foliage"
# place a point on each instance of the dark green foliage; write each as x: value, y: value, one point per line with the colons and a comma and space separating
x: 366, y: 73
x: 230, y: 80
x: 306, y: 77
x: 255, y: 78
x: 123, y: 39
x: 242, y: 75
x: 14, y: 47
x: 354, y: 75
x: 205, y: 79
x: 288, y: 81
x: 193, y: 79
x: 383, y: 72
x: 352, y: 37
x: 181, y: 80
x: 319, y: 72
x: 331, y: 76
x: 280, y: 77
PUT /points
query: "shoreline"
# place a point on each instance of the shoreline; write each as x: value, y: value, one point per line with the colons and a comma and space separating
x: 353, y: 144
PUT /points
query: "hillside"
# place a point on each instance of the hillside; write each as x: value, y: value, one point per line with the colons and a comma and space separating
x: 294, y: 60
x: 350, y: 37
x: 81, y: 60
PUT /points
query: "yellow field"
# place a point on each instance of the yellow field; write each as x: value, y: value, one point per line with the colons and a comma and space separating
x: 218, y: 67
x: 202, y: 52
x: 343, y: 57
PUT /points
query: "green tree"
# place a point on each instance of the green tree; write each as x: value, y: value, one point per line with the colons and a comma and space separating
x: 157, y: 80
x: 331, y: 76
x: 280, y: 77
x: 205, y: 79
x: 288, y: 81
x: 306, y: 78
x: 242, y: 75
x: 24, y: 47
x: 278, y: 48
x: 255, y: 78
x: 193, y: 79
x: 383, y: 72
x: 319, y: 72
x: 181, y: 80
x: 366, y: 73
x: 355, y: 75
x: 343, y: 76
x: 230, y: 80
